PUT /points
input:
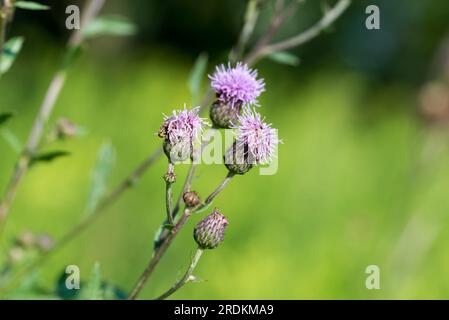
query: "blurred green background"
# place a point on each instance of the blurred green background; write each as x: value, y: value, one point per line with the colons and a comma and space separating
x: 363, y: 175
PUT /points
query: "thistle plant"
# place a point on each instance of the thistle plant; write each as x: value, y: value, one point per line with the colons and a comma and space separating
x: 255, y: 144
x: 232, y: 102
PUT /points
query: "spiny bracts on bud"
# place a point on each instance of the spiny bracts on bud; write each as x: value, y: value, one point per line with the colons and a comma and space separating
x: 191, y: 199
x: 237, y: 159
x: 179, y: 132
x: 209, y: 232
x: 223, y: 114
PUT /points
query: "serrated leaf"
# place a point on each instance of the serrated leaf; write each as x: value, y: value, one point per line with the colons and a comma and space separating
x: 94, y: 287
x: 196, y: 76
x: 109, y: 25
x: 4, y: 117
x: 100, y: 175
x: 30, y: 5
x: 10, y: 51
x: 49, y: 156
x: 285, y: 58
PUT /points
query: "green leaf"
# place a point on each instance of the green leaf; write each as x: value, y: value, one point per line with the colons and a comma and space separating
x: 111, y: 292
x: 109, y: 25
x: 285, y: 58
x: 12, y: 140
x: 196, y: 75
x: 10, y: 51
x: 5, y: 116
x: 30, y: 5
x: 63, y: 292
x: 94, y: 287
x: 100, y: 175
x: 49, y: 156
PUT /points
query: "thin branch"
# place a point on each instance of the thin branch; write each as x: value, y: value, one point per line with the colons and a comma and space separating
x: 127, y: 183
x: 281, y: 14
x: 328, y: 19
x: 250, y: 20
x: 219, y: 189
x: 56, y: 85
x: 166, y: 244
x: 186, y: 278
x: 158, y: 255
x: 169, y: 193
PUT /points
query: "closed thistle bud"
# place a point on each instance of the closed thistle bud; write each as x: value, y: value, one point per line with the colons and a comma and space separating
x: 209, y: 232
x: 223, y: 114
x: 237, y: 159
x: 191, y: 199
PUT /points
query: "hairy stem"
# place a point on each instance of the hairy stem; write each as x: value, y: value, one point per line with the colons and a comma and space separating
x: 168, y: 194
x: 53, y: 91
x: 185, y: 278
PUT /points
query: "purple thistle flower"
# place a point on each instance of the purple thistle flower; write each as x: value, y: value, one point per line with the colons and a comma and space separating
x: 258, y: 137
x: 182, y: 126
x: 237, y: 86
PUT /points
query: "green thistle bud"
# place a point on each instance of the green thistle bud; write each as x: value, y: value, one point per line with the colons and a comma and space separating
x: 209, y: 232
x: 223, y: 115
x: 237, y: 159
x: 191, y: 199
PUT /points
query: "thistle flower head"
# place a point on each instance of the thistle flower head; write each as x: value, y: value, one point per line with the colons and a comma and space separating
x: 209, y: 232
x: 257, y: 136
x: 179, y: 131
x: 237, y: 86
x: 182, y: 125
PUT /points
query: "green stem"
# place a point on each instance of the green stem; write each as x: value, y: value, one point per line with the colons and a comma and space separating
x: 186, y: 278
x: 167, y: 242
x: 158, y: 255
x: 220, y: 188
x: 169, y: 194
